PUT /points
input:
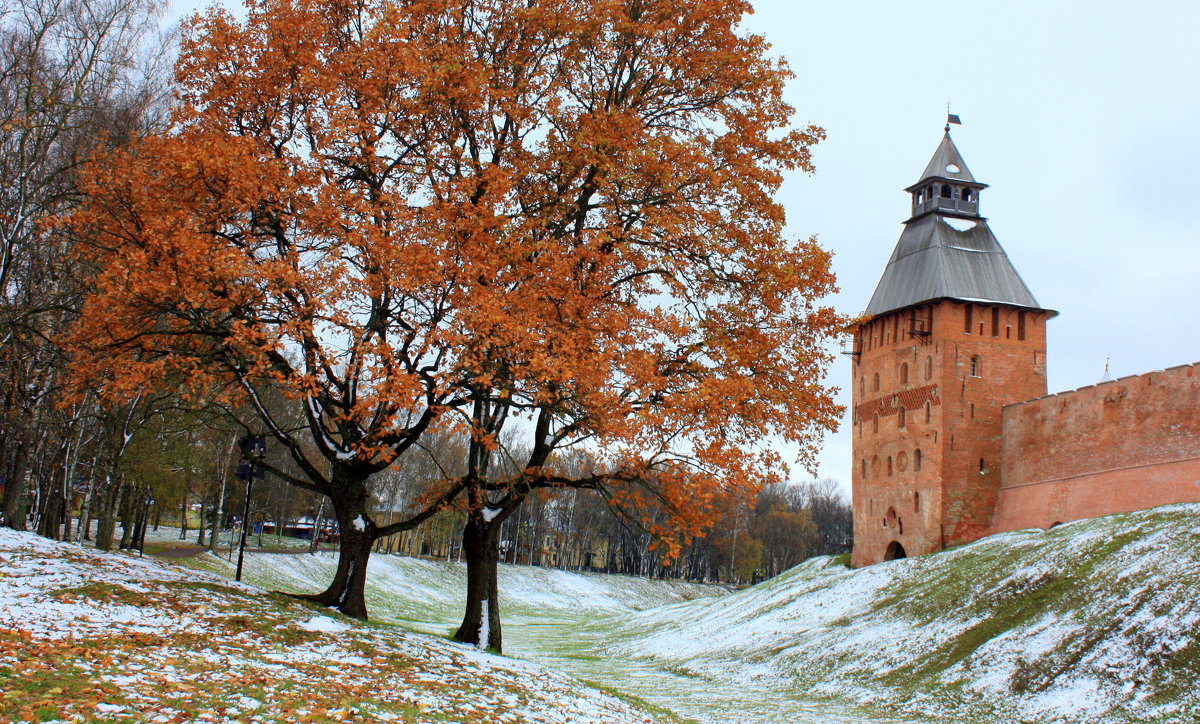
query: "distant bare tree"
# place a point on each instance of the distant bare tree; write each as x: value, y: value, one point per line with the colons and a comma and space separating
x: 832, y: 515
x: 76, y: 76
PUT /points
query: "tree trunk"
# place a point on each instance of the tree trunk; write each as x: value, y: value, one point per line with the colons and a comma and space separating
x: 481, y: 621
x: 144, y: 523
x: 15, y: 493
x: 50, y: 523
x: 108, y: 515
x: 85, y: 514
x: 66, y: 510
x: 218, y: 513
x: 357, y: 534
x: 128, y: 515
x: 183, y: 515
x: 316, y: 531
x: 138, y: 534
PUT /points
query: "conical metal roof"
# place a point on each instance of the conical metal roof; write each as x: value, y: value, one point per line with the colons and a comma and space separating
x: 947, y: 163
x: 935, y: 260
x: 947, y: 250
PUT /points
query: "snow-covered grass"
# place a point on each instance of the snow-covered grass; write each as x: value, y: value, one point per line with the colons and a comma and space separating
x: 169, y: 536
x: 430, y: 595
x: 562, y: 619
x: 1093, y: 621
x: 89, y: 636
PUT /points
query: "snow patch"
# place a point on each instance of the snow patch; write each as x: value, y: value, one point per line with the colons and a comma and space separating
x: 484, y: 633
x: 324, y: 624
x: 360, y: 525
x: 958, y: 224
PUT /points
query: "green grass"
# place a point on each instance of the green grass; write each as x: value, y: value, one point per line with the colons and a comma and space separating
x: 1081, y: 582
x: 661, y: 712
x: 107, y: 593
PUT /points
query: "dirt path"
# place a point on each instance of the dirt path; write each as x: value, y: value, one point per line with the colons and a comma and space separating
x: 179, y: 552
x: 191, y: 551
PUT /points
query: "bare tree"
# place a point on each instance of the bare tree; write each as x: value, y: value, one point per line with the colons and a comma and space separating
x: 76, y: 76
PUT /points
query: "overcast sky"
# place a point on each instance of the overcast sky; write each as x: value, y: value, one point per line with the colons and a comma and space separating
x: 1081, y: 116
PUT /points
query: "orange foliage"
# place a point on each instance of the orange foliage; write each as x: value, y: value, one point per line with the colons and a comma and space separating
x: 399, y: 211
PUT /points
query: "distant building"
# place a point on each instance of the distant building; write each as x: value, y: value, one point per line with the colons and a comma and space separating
x: 954, y: 436
x: 302, y: 528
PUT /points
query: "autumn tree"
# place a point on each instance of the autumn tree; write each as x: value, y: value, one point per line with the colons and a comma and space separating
x: 470, y: 217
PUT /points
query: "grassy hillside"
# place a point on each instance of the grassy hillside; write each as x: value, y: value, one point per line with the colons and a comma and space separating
x: 1094, y: 621
x: 430, y: 595
x: 101, y: 637
x: 1091, y: 621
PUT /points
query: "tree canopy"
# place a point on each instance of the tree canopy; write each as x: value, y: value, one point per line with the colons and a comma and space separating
x: 452, y: 215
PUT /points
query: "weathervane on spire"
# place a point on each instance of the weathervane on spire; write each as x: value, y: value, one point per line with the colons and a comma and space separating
x: 951, y: 118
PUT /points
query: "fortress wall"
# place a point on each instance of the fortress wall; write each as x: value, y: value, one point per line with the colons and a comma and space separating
x: 1115, y: 447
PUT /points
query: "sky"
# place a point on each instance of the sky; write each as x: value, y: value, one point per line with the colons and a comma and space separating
x: 1081, y: 116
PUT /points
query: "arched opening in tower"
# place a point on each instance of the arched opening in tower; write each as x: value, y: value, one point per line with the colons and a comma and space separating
x: 895, y: 552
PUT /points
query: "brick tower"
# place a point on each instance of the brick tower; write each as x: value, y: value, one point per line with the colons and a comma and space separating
x: 951, y: 335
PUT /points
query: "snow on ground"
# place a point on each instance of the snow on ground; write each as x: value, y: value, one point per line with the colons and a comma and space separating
x: 563, y: 620
x: 430, y: 595
x: 86, y: 635
x: 1094, y: 621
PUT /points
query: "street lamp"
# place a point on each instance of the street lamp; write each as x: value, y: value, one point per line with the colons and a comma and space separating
x: 254, y: 447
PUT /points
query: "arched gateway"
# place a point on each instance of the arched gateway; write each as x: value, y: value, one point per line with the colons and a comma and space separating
x: 895, y: 552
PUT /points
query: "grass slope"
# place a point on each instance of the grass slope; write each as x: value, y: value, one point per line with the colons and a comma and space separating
x: 1091, y: 621
x: 566, y: 621
x: 94, y: 637
x: 430, y: 595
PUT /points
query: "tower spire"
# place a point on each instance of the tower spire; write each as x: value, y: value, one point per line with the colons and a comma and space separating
x: 947, y: 250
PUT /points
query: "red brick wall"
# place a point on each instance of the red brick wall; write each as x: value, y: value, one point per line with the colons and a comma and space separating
x: 894, y: 501
x: 1114, y: 447
x: 1010, y: 369
x: 948, y: 500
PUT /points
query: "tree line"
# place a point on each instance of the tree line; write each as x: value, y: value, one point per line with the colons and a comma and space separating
x: 514, y: 271
x: 750, y: 540
x: 76, y: 79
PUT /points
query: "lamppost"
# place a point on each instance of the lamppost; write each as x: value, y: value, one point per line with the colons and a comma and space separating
x: 254, y: 447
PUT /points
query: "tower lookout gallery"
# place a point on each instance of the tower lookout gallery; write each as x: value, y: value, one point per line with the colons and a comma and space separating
x: 954, y: 436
